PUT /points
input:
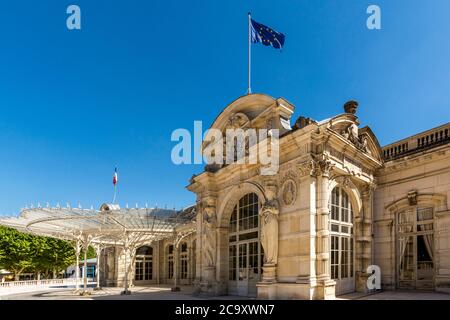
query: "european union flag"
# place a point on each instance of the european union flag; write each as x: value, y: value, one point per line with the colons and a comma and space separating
x: 267, y: 36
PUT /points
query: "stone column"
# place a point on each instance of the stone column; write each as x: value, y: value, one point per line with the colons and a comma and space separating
x: 221, y: 278
x: 308, y: 187
x: 198, y: 248
x: 208, y: 283
x: 327, y: 286
x: 363, y: 237
x: 442, y: 259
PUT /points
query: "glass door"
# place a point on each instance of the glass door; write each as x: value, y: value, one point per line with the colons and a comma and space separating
x: 242, y: 281
x: 342, y: 246
x: 415, y: 249
x: 245, y: 253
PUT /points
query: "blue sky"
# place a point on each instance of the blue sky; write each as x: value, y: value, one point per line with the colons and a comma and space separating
x: 76, y: 103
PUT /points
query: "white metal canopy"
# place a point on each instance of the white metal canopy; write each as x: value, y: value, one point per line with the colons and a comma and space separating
x: 110, y: 225
x: 106, y: 226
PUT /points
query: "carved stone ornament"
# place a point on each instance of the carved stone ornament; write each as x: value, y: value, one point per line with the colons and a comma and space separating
x: 412, y: 197
x: 345, y: 182
x: 289, y: 192
x: 237, y: 120
x: 209, y: 235
x: 269, y: 232
x: 307, y: 168
x: 351, y: 133
x: 323, y: 165
x: 351, y: 106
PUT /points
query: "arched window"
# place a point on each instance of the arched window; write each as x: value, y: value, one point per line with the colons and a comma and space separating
x: 245, y: 251
x: 144, y: 264
x: 170, y: 261
x: 341, y: 219
x: 184, y: 261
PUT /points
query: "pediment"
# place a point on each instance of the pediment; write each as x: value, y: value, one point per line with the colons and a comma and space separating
x: 346, y: 125
x: 370, y: 141
x: 255, y: 111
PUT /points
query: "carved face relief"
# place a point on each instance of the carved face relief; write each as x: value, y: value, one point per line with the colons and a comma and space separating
x: 412, y: 197
x: 289, y: 192
x: 237, y: 121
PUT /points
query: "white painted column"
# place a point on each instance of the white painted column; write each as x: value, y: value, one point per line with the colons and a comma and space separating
x: 126, y: 269
x: 85, y: 269
x: 176, y: 257
x: 158, y: 264
x: 191, y: 263
x: 126, y: 252
x: 77, y: 264
x: 97, y: 269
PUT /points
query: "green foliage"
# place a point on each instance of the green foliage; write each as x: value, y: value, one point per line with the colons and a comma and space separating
x: 15, y: 250
x: 90, y: 253
x: 20, y: 252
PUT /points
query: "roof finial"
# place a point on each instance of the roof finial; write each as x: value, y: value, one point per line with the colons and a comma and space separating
x: 351, y: 106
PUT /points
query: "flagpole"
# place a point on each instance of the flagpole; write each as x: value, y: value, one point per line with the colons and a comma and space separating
x: 115, y: 184
x: 249, y: 53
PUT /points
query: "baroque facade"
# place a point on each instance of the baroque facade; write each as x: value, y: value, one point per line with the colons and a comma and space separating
x: 338, y: 204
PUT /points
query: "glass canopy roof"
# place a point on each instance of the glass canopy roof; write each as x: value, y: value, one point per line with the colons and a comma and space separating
x: 109, y: 225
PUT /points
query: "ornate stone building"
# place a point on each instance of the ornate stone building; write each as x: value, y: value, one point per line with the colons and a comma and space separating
x: 338, y: 204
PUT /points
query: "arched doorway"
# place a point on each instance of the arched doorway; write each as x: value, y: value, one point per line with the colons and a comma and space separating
x: 143, y: 272
x: 415, y: 248
x: 245, y: 254
x: 342, y: 241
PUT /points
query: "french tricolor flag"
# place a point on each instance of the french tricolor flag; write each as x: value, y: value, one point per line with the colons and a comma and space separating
x: 115, y: 177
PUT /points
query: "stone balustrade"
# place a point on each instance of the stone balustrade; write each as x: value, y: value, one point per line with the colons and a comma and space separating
x: 417, y: 143
x: 30, y: 283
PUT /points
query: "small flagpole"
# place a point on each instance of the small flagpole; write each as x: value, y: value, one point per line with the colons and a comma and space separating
x: 249, y: 53
x: 115, y: 191
x: 115, y: 185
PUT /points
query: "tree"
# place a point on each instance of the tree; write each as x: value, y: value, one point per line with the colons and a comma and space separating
x: 51, y: 255
x: 60, y: 254
x: 40, y: 262
x: 15, y: 251
x: 90, y: 253
x: 21, y: 252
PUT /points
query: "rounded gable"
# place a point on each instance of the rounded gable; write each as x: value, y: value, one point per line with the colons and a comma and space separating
x: 245, y: 108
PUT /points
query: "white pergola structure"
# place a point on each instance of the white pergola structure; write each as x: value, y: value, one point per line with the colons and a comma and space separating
x: 109, y: 226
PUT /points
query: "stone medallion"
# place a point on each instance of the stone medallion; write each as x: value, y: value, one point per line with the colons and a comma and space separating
x: 289, y: 192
